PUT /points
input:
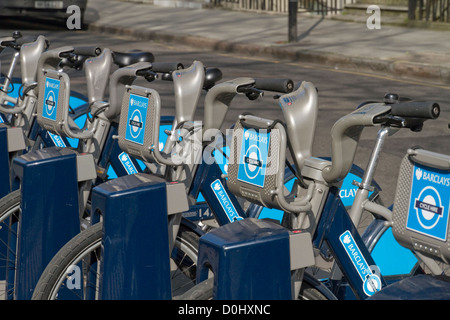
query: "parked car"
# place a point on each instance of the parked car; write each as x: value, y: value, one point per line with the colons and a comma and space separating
x: 40, y: 8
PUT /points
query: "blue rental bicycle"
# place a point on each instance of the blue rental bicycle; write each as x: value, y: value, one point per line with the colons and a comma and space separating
x: 18, y: 99
x: 259, y: 259
x: 86, y: 248
x: 96, y: 151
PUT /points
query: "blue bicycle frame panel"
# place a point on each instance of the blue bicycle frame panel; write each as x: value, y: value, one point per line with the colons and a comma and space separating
x: 224, y: 205
x: 340, y: 235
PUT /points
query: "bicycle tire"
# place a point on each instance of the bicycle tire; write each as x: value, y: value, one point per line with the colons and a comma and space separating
x: 9, y: 208
x: 84, y: 244
x: 74, y: 250
x: 309, y: 292
x: 205, y: 290
x: 9, y: 204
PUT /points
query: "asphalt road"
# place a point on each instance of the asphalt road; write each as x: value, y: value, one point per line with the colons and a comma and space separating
x: 340, y: 91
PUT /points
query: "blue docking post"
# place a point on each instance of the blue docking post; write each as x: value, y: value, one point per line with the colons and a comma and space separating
x: 250, y: 260
x: 50, y: 212
x: 136, y: 256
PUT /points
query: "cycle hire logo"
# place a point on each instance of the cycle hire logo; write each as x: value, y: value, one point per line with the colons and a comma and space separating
x: 137, y: 114
x: 51, y: 94
x: 429, y: 202
x: 253, y: 157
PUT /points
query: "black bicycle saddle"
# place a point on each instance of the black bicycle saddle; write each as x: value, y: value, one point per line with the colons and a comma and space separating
x: 123, y: 59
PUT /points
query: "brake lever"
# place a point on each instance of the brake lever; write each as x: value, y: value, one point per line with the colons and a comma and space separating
x: 148, y: 74
x: 251, y: 93
x: 414, y: 124
x: 390, y: 120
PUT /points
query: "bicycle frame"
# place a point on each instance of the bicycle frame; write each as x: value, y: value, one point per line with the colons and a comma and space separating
x: 19, y: 111
x: 227, y: 208
x: 103, y: 147
x: 91, y: 150
x: 337, y: 221
x: 329, y: 223
x: 349, y: 251
x: 210, y: 182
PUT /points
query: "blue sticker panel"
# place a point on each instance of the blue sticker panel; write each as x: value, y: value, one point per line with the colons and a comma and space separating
x: 163, y: 135
x: 51, y: 94
x: 429, y: 202
x: 127, y: 163
x: 224, y: 200
x: 347, y: 191
x: 253, y: 156
x: 57, y: 140
x: 137, y: 115
x: 371, y: 281
x: 391, y: 257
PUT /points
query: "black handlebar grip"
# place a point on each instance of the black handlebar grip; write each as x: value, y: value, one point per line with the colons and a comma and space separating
x: 416, y: 109
x: 7, y: 43
x: 164, y: 67
x: 87, y: 51
x: 276, y: 85
x: 25, y: 40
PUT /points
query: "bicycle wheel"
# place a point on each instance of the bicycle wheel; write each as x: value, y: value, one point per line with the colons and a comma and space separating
x: 205, y: 290
x: 81, y: 256
x: 9, y: 213
x: 10, y: 210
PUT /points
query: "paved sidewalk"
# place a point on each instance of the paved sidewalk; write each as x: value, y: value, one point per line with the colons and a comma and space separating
x: 398, y: 51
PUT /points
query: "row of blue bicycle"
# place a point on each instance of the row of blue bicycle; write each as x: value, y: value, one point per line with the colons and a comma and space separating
x: 104, y: 198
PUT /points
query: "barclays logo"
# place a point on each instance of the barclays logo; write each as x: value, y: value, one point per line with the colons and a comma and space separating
x: 51, y: 85
x: 432, y: 177
x: 138, y: 103
x: 127, y: 163
x: 419, y: 173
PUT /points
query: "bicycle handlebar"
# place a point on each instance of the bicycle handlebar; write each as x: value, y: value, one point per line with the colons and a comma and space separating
x: 347, y: 130
x: 76, y: 56
x: 416, y: 109
x: 16, y: 44
x: 75, y: 62
x: 118, y: 81
x: 73, y: 52
x: 90, y: 51
x: 145, y: 72
x: 166, y: 67
x: 276, y: 85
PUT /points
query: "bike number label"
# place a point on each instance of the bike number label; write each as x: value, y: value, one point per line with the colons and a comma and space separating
x: 429, y: 202
x: 51, y: 94
x: 253, y: 156
x: 137, y: 115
